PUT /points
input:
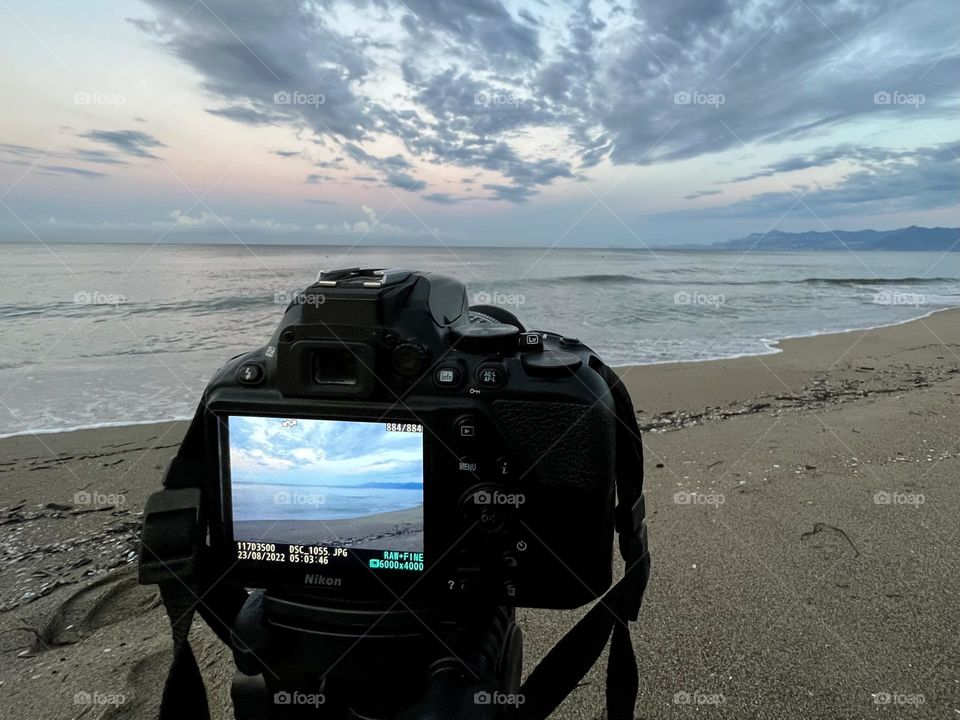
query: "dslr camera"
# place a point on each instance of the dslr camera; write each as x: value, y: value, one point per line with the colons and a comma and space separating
x: 389, y: 439
x: 396, y: 471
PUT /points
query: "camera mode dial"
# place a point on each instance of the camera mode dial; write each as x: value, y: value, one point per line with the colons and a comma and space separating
x: 485, y: 337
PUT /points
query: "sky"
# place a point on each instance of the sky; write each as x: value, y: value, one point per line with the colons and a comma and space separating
x: 482, y: 123
x: 321, y: 453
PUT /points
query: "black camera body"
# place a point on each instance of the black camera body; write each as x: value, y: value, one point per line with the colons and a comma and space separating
x: 515, y: 431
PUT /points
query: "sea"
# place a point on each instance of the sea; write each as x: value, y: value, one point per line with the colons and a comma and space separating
x: 114, y: 334
x: 273, y: 501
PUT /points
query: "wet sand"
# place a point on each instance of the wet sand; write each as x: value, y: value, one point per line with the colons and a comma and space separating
x: 397, y: 530
x: 821, y: 586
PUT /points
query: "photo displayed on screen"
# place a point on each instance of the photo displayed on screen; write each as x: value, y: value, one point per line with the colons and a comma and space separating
x: 327, y: 482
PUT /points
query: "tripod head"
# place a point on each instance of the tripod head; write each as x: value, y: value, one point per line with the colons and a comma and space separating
x: 297, y: 659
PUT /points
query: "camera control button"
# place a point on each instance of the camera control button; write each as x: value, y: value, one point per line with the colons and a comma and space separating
x: 468, y: 465
x: 504, y: 467
x: 570, y: 342
x: 491, y: 375
x: 465, y: 430
x: 490, y: 520
x: 485, y: 337
x: 448, y: 376
x: 250, y: 374
x: 531, y: 342
x: 551, y: 363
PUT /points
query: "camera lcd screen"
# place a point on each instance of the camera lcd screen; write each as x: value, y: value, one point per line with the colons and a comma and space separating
x: 320, y: 492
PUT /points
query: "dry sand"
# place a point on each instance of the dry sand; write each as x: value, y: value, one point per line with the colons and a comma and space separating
x: 785, y: 584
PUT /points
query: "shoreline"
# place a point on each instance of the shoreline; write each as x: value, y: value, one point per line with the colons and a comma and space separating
x: 774, y: 347
x: 785, y: 565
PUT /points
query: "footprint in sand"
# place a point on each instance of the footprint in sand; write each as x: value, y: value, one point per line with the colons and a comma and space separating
x: 110, y: 599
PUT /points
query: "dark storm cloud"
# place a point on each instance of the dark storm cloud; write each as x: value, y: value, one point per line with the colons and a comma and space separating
x: 652, y: 83
x: 127, y: 142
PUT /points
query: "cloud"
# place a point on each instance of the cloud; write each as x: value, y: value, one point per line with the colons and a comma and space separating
x: 479, y: 85
x: 34, y: 157
x: 245, y: 115
x: 701, y: 193
x: 128, y: 142
x: 64, y: 170
x: 444, y: 198
x: 890, y: 181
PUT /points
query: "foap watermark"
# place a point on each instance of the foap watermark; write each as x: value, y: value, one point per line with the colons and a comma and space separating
x: 696, y: 97
x: 483, y: 697
x: 494, y: 297
x: 82, y: 697
x: 498, y: 498
x: 85, y: 297
x: 297, y: 497
x: 883, y: 97
x: 295, y: 97
x: 891, y: 297
x: 88, y: 498
x: 697, y: 697
x: 93, y: 97
x: 297, y: 297
x: 298, y: 698
x: 495, y: 98
x: 896, y: 497
x: 892, y: 697
x: 685, y: 297
x: 687, y: 497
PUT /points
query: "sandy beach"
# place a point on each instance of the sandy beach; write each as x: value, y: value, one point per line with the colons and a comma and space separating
x: 396, y: 530
x: 803, y: 528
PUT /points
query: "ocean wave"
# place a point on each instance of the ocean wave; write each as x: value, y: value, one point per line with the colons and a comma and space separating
x: 75, y: 309
x: 857, y: 281
x: 700, y: 279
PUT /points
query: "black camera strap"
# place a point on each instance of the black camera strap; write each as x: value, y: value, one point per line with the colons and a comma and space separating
x: 173, y: 555
x: 558, y: 673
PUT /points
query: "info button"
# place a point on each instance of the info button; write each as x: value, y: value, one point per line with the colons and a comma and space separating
x: 448, y: 376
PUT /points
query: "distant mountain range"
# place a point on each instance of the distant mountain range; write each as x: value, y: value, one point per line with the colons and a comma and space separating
x: 910, y: 238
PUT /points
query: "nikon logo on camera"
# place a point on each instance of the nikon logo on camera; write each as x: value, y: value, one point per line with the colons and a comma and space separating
x: 322, y: 580
x: 495, y: 497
